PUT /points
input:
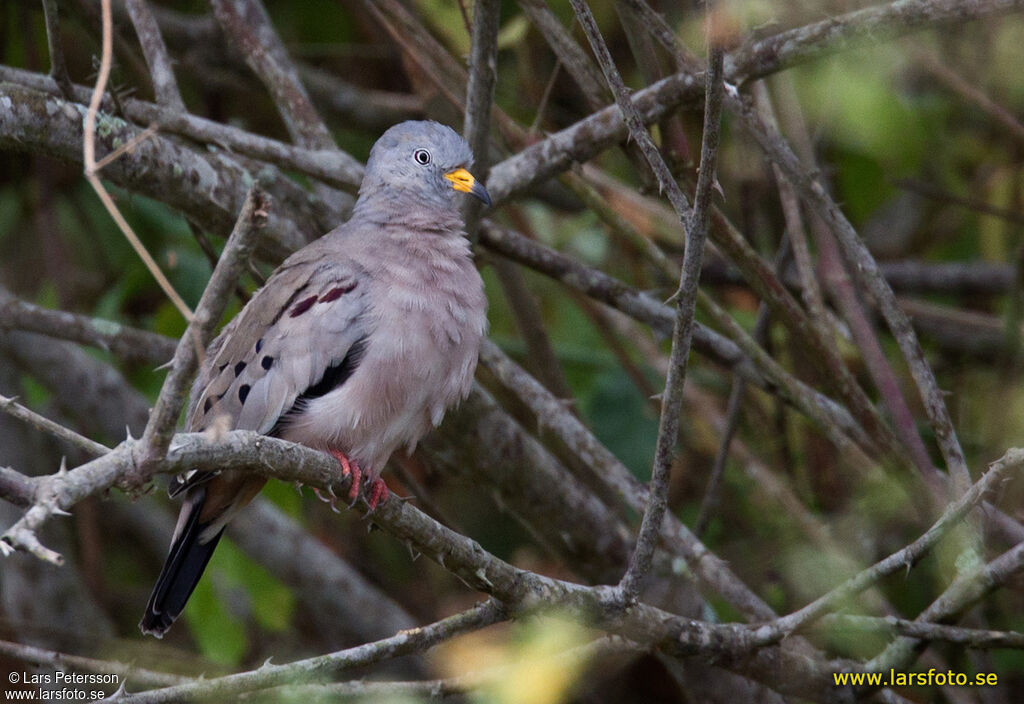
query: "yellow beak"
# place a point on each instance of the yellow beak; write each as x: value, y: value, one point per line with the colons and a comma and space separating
x: 463, y: 181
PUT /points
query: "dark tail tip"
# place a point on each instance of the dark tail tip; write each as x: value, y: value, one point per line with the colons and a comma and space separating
x: 184, y: 566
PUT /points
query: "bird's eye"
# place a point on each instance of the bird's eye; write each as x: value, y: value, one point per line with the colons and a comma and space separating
x: 422, y: 156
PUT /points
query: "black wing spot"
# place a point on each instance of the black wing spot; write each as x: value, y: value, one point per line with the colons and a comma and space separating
x: 222, y: 367
x: 259, y: 345
x: 207, y: 404
x: 334, y: 376
x: 243, y: 392
x: 267, y: 362
x: 239, y: 368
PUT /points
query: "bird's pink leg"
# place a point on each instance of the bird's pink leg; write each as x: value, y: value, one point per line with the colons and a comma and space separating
x: 378, y: 489
x: 378, y: 492
x: 349, y: 467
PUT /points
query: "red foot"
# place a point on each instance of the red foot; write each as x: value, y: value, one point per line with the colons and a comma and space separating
x: 378, y: 492
x: 378, y: 489
x: 349, y: 467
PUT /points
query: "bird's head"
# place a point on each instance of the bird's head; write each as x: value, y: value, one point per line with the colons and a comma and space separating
x: 424, y: 162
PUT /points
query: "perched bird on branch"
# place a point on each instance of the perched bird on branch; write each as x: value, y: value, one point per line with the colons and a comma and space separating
x: 356, y: 346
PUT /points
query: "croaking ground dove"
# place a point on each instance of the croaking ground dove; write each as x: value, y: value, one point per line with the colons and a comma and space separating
x: 356, y: 346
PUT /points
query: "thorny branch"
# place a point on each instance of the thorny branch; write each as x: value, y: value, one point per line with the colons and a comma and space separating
x: 58, y: 66
x: 188, y: 355
x: 695, y: 222
x: 519, y: 590
x: 412, y: 640
x: 165, y: 86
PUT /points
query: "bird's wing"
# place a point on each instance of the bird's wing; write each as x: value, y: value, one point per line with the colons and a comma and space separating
x: 304, y: 329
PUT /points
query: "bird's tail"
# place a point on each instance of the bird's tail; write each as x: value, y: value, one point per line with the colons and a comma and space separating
x: 185, y: 563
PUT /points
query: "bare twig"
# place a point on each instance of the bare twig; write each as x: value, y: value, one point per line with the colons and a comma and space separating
x: 352, y: 104
x: 16, y: 410
x: 92, y: 170
x: 570, y: 55
x: 959, y: 331
x: 929, y: 190
x: 630, y: 113
x: 542, y: 104
x: 695, y: 223
x: 909, y: 276
x: 443, y: 688
x: 686, y: 300
x: 965, y: 591
x: 479, y: 98
x: 906, y: 557
x: 639, y: 306
x: 969, y: 637
x: 232, y: 263
x: 247, y: 26
x: 483, y: 73
x: 810, y: 291
x: 841, y: 430
x: 209, y: 185
x: 58, y: 67
x: 866, y: 269
x: 165, y: 87
x: 846, y: 296
x: 527, y: 314
x: 761, y: 276
x: 16, y: 488
x: 791, y: 47
x: 713, y: 488
x: 136, y: 675
x: 413, y: 640
x: 712, y: 491
x: 332, y: 166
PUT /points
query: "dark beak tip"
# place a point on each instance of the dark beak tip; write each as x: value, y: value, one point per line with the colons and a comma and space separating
x: 480, y: 192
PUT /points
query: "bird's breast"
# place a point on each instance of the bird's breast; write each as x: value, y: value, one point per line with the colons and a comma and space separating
x: 425, y: 328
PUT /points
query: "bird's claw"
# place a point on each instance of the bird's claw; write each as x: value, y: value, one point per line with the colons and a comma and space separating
x: 349, y: 467
x: 378, y: 492
x: 378, y: 489
x: 331, y: 499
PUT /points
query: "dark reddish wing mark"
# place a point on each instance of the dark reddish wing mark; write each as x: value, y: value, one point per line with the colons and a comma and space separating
x: 332, y: 295
x: 302, y: 306
x: 337, y: 292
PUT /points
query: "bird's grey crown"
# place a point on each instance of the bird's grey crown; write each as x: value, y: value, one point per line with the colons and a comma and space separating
x: 393, y: 173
